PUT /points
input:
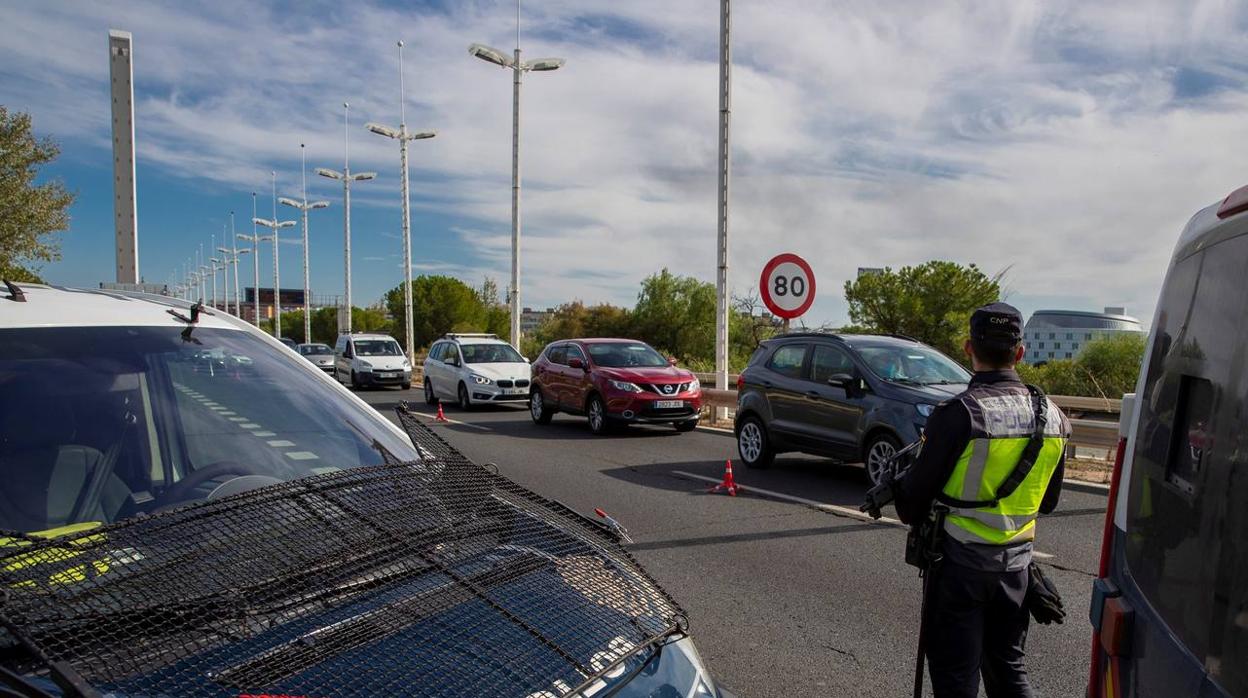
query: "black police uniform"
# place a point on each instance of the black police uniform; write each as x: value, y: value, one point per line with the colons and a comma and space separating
x: 977, y: 621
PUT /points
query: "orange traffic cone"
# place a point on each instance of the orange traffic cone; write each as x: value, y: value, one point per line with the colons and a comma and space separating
x: 441, y: 417
x: 728, y: 485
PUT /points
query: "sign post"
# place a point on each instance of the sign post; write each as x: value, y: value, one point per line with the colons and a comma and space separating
x: 787, y: 287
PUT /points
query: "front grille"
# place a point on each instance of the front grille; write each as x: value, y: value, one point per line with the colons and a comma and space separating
x: 504, y: 383
x: 666, y: 388
x: 522, y: 382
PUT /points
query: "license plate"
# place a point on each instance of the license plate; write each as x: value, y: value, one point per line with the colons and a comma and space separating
x: 514, y: 391
x: 668, y: 404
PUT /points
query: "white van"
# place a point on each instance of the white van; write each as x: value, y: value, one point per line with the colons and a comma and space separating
x: 364, y: 360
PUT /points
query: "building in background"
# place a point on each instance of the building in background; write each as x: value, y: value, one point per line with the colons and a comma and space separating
x: 531, y: 319
x: 1062, y: 334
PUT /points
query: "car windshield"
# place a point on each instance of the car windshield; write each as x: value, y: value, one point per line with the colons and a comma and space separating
x: 104, y: 423
x: 625, y: 355
x: 314, y: 349
x: 915, y: 365
x: 490, y: 354
x: 377, y: 347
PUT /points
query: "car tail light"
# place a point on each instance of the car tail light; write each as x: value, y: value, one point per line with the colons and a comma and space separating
x: 1110, y: 615
x: 740, y: 382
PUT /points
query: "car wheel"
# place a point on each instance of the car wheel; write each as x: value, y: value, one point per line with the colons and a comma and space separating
x: 597, y: 413
x: 752, y: 444
x: 877, y: 454
x: 465, y: 401
x: 355, y: 384
x: 538, y: 410
x: 687, y: 425
x: 430, y: 398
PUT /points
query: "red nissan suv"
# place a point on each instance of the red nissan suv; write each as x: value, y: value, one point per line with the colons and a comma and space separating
x: 613, y: 381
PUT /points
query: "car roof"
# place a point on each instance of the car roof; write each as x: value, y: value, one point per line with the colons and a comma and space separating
x: 853, y: 340
x: 603, y: 340
x: 372, y: 336
x: 57, y: 306
x: 473, y: 340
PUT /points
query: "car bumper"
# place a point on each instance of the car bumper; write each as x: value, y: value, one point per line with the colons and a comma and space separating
x: 387, y: 378
x: 493, y: 393
x: 327, y: 369
x: 640, y: 408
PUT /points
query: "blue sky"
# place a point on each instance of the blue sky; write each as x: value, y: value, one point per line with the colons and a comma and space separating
x: 1066, y: 141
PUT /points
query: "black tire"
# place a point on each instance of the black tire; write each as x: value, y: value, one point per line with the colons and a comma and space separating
x: 876, y: 452
x: 355, y: 384
x: 538, y: 410
x: 430, y: 398
x: 406, y: 386
x: 688, y: 425
x: 753, y: 444
x: 465, y: 400
x: 596, y: 414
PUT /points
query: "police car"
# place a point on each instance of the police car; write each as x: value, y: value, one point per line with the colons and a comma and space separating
x: 176, y: 526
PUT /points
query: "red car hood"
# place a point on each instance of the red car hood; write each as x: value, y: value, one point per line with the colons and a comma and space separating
x: 665, y: 374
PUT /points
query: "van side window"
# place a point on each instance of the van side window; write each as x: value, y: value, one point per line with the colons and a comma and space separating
x: 346, y: 350
x: 788, y: 360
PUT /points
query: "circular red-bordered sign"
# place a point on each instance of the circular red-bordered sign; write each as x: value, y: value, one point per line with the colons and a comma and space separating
x: 787, y: 286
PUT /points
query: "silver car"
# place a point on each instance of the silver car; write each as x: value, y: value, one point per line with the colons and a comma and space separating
x: 321, y: 355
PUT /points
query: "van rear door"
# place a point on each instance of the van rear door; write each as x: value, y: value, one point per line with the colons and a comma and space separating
x: 1171, y: 610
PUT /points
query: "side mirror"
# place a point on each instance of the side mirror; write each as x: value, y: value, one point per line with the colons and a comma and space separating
x: 671, y: 361
x: 843, y: 381
x: 576, y: 363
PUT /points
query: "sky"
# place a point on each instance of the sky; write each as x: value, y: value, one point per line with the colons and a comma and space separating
x: 1063, y: 142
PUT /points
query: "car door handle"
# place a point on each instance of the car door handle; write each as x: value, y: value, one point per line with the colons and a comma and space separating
x: 766, y: 384
x: 812, y: 394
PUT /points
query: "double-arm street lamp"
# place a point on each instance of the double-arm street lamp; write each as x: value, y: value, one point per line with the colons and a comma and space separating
x: 347, y: 178
x: 518, y: 68
x: 276, y: 226
x: 402, y: 136
x: 304, y: 206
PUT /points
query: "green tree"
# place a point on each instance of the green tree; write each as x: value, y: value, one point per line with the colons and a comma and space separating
x: 497, y: 314
x: 931, y: 302
x: 440, y: 304
x: 30, y: 214
x: 676, y: 314
x: 1107, y: 367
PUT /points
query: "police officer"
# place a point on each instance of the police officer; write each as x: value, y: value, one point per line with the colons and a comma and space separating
x: 977, y: 622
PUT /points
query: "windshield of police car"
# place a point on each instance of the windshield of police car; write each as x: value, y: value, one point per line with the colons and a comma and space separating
x: 101, y: 423
x: 915, y: 365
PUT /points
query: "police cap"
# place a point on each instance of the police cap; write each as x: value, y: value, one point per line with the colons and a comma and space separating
x: 998, y: 324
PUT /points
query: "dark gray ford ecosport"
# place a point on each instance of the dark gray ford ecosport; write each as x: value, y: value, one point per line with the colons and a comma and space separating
x: 853, y: 398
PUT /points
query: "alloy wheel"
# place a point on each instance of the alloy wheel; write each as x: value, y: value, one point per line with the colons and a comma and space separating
x: 878, y: 457
x: 750, y: 442
x: 535, y: 405
x: 596, y: 416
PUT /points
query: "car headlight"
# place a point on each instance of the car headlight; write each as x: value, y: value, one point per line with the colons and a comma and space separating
x: 365, y: 364
x: 481, y: 380
x: 924, y: 409
x: 407, y: 365
x: 695, y: 385
x: 625, y: 386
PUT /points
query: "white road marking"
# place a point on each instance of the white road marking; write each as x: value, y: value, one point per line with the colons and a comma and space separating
x: 228, y: 413
x: 301, y: 455
x: 830, y: 508
x: 263, y: 433
x: 434, y: 418
x: 280, y: 443
x: 249, y: 425
x: 237, y: 419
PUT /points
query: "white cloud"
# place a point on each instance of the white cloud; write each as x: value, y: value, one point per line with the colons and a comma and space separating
x: 1058, y: 137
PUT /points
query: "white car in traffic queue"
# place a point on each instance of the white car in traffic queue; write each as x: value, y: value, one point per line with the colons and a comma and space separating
x: 367, y: 360
x: 473, y: 369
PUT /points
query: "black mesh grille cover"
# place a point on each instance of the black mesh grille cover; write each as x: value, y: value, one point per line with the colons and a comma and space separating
x: 432, y: 578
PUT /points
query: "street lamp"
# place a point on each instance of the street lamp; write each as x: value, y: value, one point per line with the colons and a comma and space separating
x: 346, y: 178
x: 255, y: 239
x: 304, y: 206
x: 217, y: 266
x: 402, y: 136
x: 276, y: 226
x: 518, y: 68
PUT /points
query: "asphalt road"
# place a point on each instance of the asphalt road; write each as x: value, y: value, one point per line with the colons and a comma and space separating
x: 784, y: 599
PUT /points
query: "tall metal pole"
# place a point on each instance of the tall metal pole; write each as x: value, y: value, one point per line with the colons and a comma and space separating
x: 238, y: 298
x: 125, y: 210
x: 407, y: 219
x: 255, y: 261
x: 307, y: 283
x: 514, y: 291
x: 346, y: 215
x: 725, y: 157
x: 277, y: 270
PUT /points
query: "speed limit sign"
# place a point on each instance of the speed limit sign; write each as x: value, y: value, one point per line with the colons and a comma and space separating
x: 787, y: 286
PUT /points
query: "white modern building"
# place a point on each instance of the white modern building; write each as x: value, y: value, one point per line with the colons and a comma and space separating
x: 1062, y: 334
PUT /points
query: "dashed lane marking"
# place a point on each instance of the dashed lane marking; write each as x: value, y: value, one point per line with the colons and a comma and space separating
x: 301, y: 455
x: 263, y: 433
x: 237, y: 419
x: 280, y: 443
x: 248, y: 425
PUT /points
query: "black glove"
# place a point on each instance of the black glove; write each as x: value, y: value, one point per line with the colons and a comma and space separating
x: 1043, y: 601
